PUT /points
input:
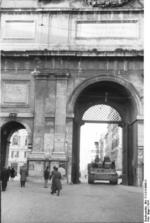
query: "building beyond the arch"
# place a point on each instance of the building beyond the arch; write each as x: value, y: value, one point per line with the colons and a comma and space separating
x: 50, y: 69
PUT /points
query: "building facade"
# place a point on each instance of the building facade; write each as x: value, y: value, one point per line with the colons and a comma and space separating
x: 18, y: 150
x: 113, y: 145
x: 61, y: 57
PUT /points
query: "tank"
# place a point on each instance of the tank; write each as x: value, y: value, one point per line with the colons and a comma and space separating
x: 102, y: 171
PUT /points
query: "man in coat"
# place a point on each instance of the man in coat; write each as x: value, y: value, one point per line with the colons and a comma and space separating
x: 4, y: 178
x: 12, y: 173
x: 56, y: 181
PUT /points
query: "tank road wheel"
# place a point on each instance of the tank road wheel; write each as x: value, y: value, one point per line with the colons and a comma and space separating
x: 90, y: 181
x: 113, y: 182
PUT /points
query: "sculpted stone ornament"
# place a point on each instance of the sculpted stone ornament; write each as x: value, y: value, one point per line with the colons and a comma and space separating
x: 107, y: 3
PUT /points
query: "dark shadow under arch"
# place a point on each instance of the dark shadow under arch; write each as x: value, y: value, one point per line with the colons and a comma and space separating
x: 103, y: 78
x: 6, y: 132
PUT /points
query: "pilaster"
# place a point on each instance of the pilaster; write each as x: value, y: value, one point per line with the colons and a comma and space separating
x: 39, y: 110
x: 125, y: 155
x: 140, y: 154
x: 60, y: 116
x: 137, y: 162
x: 68, y: 144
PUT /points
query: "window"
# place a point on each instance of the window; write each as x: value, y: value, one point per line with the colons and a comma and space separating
x: 17, y: 154
x: 26, y: 141
x: 25, y: 154
x: 15, y: 140
x: 115, y: 143
x: 12, y: 154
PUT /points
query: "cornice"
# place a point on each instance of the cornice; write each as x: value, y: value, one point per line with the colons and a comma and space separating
x: 119, y: 52
x: 68, y: 10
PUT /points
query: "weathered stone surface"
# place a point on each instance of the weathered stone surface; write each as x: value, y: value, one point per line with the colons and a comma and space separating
x: 16, y: 92
x: 78, y: 31
x: 60, y: 114
x: 103, y: 4
x: 59, y: 68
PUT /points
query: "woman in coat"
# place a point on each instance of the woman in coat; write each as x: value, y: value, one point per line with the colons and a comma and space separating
x: 23, y: 176
x: 56, y: 181
x: 46, y: 176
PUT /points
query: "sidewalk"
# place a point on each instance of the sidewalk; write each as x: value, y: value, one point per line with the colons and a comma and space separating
x: 77, y: 203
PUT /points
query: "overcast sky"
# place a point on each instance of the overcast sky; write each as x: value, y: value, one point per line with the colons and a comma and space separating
x: 90, y: 133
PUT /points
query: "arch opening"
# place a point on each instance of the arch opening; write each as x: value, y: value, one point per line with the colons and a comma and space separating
x: 15, y: 140
x: 100, y: 136
x: 97, y: 98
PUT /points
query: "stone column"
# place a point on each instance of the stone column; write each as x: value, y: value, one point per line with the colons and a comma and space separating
x: 125, y: 155
x: 140, y: 152
x: 40, y: 84
x: 60, y: 116
x: 132, y: 153
x: 49, y: 136
x: 135, y: 157
x: 76, y: 151
x: 40, y: 88
x: 68, y: 143
x: 7, y: 153
x: 50, y: 104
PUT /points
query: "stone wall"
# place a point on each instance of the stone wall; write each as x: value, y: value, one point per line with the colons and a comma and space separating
x: 79, y: 30
x: 50, y: 53
x: 52, y: 85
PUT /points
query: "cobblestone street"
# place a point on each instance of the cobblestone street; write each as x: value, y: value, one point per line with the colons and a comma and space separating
x: 77, y: 203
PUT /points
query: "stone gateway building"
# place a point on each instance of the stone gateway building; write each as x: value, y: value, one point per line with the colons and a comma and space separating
x: 61, y: 57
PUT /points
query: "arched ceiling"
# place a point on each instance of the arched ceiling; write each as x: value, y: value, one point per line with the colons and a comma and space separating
x: 106, y: 93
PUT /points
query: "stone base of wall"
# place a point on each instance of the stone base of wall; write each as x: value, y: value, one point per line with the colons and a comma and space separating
x: 38, y: 161
x: 59, y: 156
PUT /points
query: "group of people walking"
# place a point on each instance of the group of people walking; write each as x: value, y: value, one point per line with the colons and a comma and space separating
x: 7, y: 173
x: 55, y: 176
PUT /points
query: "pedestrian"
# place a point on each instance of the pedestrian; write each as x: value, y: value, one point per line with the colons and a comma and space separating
x: 113, y: 166
x: 23, y: 175
x: 56, y: 181
x: 4, y: 178
x: 62, y: 171
x: 9, y: 170
x: 12, y: 173
x: 46, y: 176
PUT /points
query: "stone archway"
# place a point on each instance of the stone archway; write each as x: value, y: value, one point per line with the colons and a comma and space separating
x: 128, y: 86
x: 120, y: 95
x: 6, y: 132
